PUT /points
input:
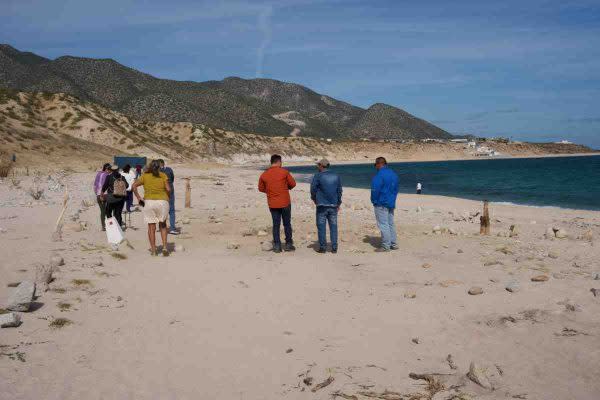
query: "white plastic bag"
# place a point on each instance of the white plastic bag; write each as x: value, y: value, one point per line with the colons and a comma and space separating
x: 114, y: 233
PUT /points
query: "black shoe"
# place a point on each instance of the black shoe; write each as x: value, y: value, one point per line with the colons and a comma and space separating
x: 321, y: 250
x: 382, y: 250
x: 334, y: 251
x: 277, y: 249
x: 289, y: 247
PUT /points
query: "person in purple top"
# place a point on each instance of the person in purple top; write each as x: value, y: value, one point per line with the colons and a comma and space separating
x: 98, y: 183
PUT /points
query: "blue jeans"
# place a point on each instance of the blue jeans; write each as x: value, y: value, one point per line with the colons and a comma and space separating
x: 385, y: 222
x: 284, y: 214
x: 129, y: 200
x: 327, y: 215
x: 172, y: 207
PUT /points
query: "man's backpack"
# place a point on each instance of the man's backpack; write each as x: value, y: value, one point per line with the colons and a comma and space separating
x: 120, y: 187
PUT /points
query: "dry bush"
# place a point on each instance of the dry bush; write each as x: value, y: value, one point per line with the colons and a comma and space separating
x: 5, y: 168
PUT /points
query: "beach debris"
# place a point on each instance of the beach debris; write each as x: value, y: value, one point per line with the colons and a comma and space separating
x: 513, y: 287
x: 540, y: 278
x: 323, y: 384
x: 475, y: 290
x: 478, y: 375
x: 344, y: 396
x: 451, y: 362
x: 261, y: 233
x: 434, y: 385
x: 410, y: 295
x: 10, y: 320
x: 484, y: 227
x: 288, y: 351
x: 21, y: 298
x: 415, y: 340
x: 56, y: 261
x: 426, y: 265
x: 513, y: 231
x: 233, y: 246
x: 57, y: 234
x: 266, y: 246
x: 460, y: 251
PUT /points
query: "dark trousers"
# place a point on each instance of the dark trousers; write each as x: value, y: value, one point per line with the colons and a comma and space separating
x: 129, y: 200
x: 327, y: 215
x: 115, y: 209
x: 102, y: 205
x: 284, y: 214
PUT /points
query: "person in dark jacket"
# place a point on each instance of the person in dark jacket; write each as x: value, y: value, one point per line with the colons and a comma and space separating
x: 384, y: 190
x: 114, y: 204
x: 326, y: 193
x: 171, y: 175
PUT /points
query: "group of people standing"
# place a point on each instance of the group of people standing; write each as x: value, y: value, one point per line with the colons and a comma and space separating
x: 115, y: 188
x: 326, y: 193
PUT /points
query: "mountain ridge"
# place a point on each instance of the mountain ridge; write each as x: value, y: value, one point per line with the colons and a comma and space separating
x: 259, y: 106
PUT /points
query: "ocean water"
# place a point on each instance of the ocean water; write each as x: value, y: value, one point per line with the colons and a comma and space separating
x: 567, y: 182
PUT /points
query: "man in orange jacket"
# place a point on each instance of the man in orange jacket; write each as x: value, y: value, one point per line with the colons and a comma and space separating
x: 276, y: 182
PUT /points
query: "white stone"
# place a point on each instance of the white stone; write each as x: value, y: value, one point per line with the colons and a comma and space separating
x: 561, y: 234
x: 513, y: 287
x: 10, y: 320
x: 477, y: 375
x: 261, y: 233
x: 21, y: 298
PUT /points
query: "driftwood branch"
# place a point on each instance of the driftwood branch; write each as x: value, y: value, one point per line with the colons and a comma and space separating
x: 188, y: 193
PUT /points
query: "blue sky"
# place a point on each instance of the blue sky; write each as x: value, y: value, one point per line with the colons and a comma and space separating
x: 523, y: 69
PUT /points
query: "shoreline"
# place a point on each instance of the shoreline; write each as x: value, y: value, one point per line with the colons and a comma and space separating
x: 407, y: 160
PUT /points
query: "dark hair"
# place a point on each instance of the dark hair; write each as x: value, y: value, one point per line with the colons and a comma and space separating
x: 105, y: 167
x: 381, y: 160
x: 161, y: 161
x: 126, y: 168
x: 154, y: 168
x: 275, y: 158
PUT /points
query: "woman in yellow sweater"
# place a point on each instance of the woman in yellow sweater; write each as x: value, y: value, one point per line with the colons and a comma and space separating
x: 155, y: 203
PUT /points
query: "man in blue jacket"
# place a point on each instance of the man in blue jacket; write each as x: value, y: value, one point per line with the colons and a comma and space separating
x: 384, y: 189
x: 326, y: 192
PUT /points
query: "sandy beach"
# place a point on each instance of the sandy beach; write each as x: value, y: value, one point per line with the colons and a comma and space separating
x: 221, y: 318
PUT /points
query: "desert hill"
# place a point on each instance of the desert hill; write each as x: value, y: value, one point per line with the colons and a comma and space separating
x: 261, y: 106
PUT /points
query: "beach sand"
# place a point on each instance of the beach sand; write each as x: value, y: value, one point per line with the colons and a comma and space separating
x: 220, y: 318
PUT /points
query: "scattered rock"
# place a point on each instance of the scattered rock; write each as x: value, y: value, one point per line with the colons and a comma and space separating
x: 179, y: 248
x: 595, y: 292
x: 540, y: 278
x: 513, y: 231
x: 477, y: 375
x: 549, y: 233
x: 437, y: 230
x: 261, y: 233
x: 475, y: 290
x: 185, y: 221
x: 513, y: 287
x: 596, y: 276
x: 410, y: 295
x: 451, y: 362
x: 233, y: 246
x: 460, y: 251
x: 452, y: 231
x: 43, y: 275
x: 288, y: 351
x: 588, y: 235
x: 561, y: 234
x: 426, y: 265
x: 21, y: 298
x: 553, y: 254
x: 10, y: 320
x: 415, y: 340
x: 266, y: 246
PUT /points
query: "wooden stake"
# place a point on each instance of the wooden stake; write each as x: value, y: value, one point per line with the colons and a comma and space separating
x: 188, y: 193
x: 484, y: 228
x: 57, y: 235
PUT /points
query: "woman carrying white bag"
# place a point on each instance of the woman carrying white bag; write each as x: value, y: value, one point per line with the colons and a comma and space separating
x: 155, y: 203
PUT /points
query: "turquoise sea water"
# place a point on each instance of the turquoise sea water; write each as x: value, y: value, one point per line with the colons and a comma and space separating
x: 568, y: 182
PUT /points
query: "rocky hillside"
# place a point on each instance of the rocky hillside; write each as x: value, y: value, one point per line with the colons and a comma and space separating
x: 59, y: 130
x: 261, y: 106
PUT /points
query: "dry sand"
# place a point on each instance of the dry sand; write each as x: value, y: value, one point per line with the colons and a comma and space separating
x: 215, y: 321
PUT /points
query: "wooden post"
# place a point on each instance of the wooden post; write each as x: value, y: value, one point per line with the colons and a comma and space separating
x: 188, y: 193
x: 484, y: 228
x: 57, y: 234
